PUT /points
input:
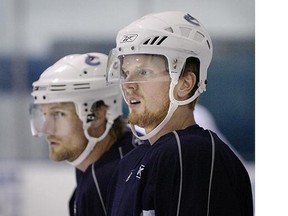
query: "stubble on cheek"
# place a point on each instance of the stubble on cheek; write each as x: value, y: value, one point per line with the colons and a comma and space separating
x: 60, y: 153
x: 148, y: 118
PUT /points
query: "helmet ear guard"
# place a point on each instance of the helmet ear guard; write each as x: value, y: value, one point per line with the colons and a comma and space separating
x: 81, y: 79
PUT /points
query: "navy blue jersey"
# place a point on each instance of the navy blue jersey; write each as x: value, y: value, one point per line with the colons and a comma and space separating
x: 91, y: 191
x: 172, y: 178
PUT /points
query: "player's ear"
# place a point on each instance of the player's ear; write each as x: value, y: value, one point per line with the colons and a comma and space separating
x: 100, y: 116
x: 98, y: 125
x: 185, y: 84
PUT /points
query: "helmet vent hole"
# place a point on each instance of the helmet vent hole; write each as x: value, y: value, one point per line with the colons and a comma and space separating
x: 44, y: 97
x: 80, y: 86
x: 161, y: 40
x: 185, y: 32
x: 146, y: 42
x: 208, y: 44
x: 59, y: 87
x: 155, y: 40
x: 169, y: 30
x: 198, y: 37
x: 85, y: 72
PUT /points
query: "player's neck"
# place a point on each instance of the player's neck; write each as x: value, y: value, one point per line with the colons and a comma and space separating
x: 182, y: 118
x: 99, y: 149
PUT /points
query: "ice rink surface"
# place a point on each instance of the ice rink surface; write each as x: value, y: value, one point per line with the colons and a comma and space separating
x: 42, y: 188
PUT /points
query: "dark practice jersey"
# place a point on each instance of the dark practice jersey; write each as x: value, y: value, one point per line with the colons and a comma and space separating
x: 91, y: 191
x: 172, y: 178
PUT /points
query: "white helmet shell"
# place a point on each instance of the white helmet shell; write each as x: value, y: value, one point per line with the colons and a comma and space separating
x: 78, y: 78
x: 174, y: 34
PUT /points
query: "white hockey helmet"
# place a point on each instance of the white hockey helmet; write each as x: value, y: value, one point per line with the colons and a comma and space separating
x: 173, y: 34
x: 78, y: 78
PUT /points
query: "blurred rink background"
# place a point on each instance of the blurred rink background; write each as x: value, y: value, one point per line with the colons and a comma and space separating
x: 36, y: 33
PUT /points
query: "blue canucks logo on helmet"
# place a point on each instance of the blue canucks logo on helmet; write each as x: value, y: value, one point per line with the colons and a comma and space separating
x: 92, y: 60
x: 191, y: 20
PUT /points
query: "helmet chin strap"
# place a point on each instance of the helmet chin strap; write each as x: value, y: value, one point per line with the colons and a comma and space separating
x: 172, y: 108
x: 92, y: 141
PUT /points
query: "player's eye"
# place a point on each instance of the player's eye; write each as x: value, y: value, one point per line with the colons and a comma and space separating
x: 124, y: 74
x: 58, y: 114
x: 144, y: 73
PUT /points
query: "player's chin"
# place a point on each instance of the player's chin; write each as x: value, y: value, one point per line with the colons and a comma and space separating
x: 135, y: 119
x: 56, y: 155
x: 55, y: 158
